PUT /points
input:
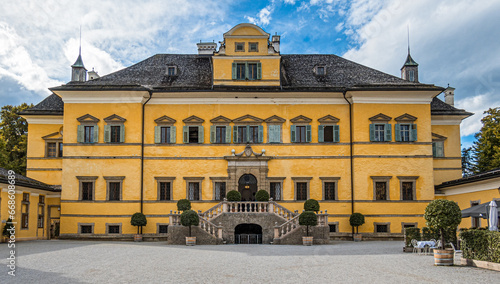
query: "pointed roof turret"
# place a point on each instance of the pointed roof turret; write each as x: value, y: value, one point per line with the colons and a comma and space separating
x: 409, y: 61
x: 79, y: 62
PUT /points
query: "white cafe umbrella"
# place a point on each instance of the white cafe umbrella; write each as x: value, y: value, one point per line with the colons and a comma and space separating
x: 493, y: 218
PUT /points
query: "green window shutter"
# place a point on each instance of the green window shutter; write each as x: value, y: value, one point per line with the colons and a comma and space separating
x: 96, y: 134
x: 228, y: 134
x: 259, y: 70
x: 185, y: 134
x: 388, y: 132
x: 201, y: 136
x: 107, y: 133
x: 274, y: 133
x: 434, y: 149
x: 372, y: 132
x: 172, y: 134
x: 308, y: 133
x: 413, y: 132
x: 80, y: 133
x: 397, y: 132
x: 234, y: 71
x: 157, y: 134
x: 261, y: 134
x: 336, y: 133
x: 292, y: 133
x: 235, y: 134
x: 440, y: 149
x: 321, y: 133
x: 122, y: 133
x: 212, y: 134
x: 246, y: 70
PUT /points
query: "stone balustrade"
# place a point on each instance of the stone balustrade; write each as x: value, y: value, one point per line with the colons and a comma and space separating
x: 282, y: 230
x: 205, y: 225
x: 248, y: 207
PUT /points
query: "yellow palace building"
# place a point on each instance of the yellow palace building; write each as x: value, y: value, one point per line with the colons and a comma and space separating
x: 242, y: 116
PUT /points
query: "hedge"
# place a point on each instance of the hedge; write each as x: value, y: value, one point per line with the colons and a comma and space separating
x: 428, y: 234
x: 412, y: 233
x: 481, y: 245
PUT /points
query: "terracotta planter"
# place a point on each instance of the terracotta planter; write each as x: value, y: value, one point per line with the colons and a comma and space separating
x: 357, y: 237
x: 190, y: 241
x: 443, y: 257
x: 307, y: 241
x: 137, y: 238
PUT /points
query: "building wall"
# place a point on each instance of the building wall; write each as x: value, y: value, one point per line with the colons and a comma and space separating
x: 448, y: 167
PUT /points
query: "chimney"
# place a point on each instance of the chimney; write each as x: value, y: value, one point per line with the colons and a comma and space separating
x: 206, y: 48
x: 93, y: 74
x: 449, y: 96
x: 276, y: 42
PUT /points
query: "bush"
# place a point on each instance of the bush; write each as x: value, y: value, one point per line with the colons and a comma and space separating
x: 356, y: 220
x: 6, y: 233
x: 139, y: 220
x: 308, y: 218
x: 443, y: 215
x: 412, y: 233
x: 183, y: 205
x: 311, y: 205
x: 233, y: 195
x: 481, y: 245
x: 428, y: 234
x: 262, y: 195
x: 189, y: 218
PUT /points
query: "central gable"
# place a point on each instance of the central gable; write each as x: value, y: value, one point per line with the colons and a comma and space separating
x: 246, y: 29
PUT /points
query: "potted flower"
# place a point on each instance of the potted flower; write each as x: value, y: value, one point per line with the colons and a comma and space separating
x: 262, y: 196
x: 308, y: 218
x: 311, y: 205
x: 139, y: 220
x: 190, y: 218
x: 233, y: 196
x: 356, y: 220
x: 443, y: 215
x: 183, y: 205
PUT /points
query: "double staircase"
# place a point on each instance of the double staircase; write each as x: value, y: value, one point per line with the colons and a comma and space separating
x: 219, y: 220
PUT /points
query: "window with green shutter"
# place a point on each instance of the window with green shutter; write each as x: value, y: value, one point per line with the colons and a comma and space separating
x: 438, y: 149
x: 246, y: 71
x: 328, y: 133
x: 274, y: 132
x: 219, y: 134
x: 193, y: 134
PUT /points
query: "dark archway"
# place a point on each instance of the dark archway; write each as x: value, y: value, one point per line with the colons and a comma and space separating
x: 247, y: 186
x: 248, y: 234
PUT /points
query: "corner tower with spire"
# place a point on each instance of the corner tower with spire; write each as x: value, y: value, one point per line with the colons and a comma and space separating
x: 409, y: 71
x: 78, y: 71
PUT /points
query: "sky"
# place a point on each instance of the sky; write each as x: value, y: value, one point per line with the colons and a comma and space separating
x: 455, y: 42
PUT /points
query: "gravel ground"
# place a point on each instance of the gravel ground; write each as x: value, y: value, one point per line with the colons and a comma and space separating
x: 127, y: 262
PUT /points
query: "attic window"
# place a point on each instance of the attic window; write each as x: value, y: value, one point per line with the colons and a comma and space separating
x: 240, y: 46
x: 253, y: 46
x: 320, y: 70
x: 172, y: 71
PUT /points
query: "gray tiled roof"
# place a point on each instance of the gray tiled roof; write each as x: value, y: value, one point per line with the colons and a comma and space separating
x: 438, y: 107
x: 27, y: 182
x: 51, y: 105
x: 495, y: 173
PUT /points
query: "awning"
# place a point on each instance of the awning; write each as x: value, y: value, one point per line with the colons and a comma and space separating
x: 479, y: 211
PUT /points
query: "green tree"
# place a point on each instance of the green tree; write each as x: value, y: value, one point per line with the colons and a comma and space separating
x: 468, y: 164
x: 443, y: 215
x: 487, y: 147
x: 308, y: 218
x: 13, y: 138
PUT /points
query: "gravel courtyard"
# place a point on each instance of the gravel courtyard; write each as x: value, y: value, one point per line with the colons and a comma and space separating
x: 127, y: 262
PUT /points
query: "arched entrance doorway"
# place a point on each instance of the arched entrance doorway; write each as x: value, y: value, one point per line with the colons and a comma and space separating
x: 247, y: 186
x: 248, y: 234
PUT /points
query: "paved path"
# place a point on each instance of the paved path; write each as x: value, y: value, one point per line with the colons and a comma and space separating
x: 127, y: 262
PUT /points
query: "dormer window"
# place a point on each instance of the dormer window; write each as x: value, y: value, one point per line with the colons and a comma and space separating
x: 247, y: 71
x: 320, y: 70
x: 240, y: 47
x: 253, y: 47
x: 172, y: 71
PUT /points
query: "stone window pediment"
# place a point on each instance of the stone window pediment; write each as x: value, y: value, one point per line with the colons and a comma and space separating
x: 301, y: 119
x: 275, y: 119
x: 220, y: 120
x: 193, y: 120
x: 114, y: 118
x: 380, y: 118
x: 406, y: 118
x: 88, y: 119
x: 437, y: 137
x: 165, y: 120
x: 328, y: 119
x: 248, y: 119
x: 53, y: 136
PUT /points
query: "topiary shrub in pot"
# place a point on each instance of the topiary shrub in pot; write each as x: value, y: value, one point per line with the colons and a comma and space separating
x: 311, y: 205
x: 262, y: 196
x: 443, y: 215
x: 139, y: 220
x: 190, y: 218
x: 233, y: 196
x: 356, y: 220
x: 308, y: 218
x: 183, y: 205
